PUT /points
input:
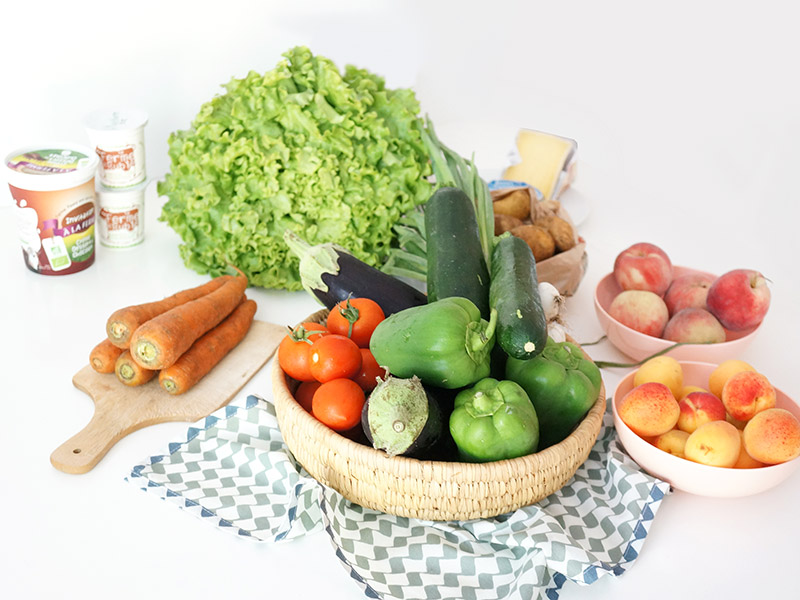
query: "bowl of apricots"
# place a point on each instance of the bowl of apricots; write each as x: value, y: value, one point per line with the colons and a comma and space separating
x: 719, y: 430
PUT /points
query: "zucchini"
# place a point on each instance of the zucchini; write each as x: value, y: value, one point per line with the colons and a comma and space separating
x: 402, y: 418
x: 456, y: 264
x: 331, y: 274
x: 514, y: 293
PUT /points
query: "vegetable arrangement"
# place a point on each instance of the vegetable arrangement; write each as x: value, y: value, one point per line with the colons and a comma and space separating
x: 476, y: 353
x: 178, y: 339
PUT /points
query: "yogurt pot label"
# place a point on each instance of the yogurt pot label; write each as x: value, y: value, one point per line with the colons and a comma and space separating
x: 121, y: 216
x: 53, y: 191
x: 56, y: 228
x: 118, y: 140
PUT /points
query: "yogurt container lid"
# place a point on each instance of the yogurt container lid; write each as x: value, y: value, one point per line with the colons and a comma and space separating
x: 50, y: 166
x: 132, y: 190
x: 115, y: 120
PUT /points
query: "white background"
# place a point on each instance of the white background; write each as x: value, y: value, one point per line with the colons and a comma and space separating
x: 687, y: 120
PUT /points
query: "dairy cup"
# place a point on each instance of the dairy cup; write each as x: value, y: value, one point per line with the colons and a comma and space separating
x: 118, y: 139
x: 53, y: 190
x: 120, y: 215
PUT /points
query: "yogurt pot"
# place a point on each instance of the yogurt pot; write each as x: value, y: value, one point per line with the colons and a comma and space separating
x: 118, y: 139
x: 120, y: 215
x: 53, y: 190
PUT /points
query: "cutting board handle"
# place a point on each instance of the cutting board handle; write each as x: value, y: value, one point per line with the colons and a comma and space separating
x: 80, y: 453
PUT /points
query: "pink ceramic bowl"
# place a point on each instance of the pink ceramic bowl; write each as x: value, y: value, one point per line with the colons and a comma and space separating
x: 683, y: 474
x: 639, y: 345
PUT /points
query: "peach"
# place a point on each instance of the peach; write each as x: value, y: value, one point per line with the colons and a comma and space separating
x: 640, y: 310
x: 739, y: 299
x: 649, y: 409
x: 644, y: 267
x: 688, y: 389
x: 673, y: 442
x: 745, y: 461
x: 773, y: 436
x: 723, y: 372
x: 746, y: 394
x: 688, y: 291
x: 663, y: 369
x: 699, y: 408
x: 716, y: 443
x: 694, y: 325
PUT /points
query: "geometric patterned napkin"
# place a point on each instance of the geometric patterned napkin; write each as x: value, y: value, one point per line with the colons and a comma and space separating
x: 234, y: 472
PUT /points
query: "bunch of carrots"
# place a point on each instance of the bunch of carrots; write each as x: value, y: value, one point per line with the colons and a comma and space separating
x: 180, y: 338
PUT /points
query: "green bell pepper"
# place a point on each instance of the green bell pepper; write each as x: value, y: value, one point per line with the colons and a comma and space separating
x: 444, y: 343
x: 494, y: 420
x: 562, y: 384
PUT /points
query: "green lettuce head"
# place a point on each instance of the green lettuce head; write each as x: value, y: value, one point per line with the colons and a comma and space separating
x: 337, y: 158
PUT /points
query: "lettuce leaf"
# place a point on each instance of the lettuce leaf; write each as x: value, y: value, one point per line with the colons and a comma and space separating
x: 336, y: 156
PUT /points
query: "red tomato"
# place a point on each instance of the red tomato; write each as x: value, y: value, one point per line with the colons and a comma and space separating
x: 370, y: 371
x: 355, y: 318
x: 333, y: 356
x: 305, y: 392
x: 338, y: 404
x: 294, y: 352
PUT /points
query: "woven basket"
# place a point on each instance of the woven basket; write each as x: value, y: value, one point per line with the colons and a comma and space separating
x: 424, y: 489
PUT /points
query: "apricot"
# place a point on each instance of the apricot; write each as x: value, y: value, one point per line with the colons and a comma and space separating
x: 772, y: 436
x: 649, y: 409
x: 688, y: 389
x: 723, y: 372
x: 745, y: 461
x: 673, y: 442
x: 699, y: 408
x: 716, y: 444
x: 735, y: 422
x: 663, y: 369
x: 747, y: 393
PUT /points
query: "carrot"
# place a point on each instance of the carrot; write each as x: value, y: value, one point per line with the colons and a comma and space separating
x: 123, y: 322
x: 207, y: 351
x: 129, y: 372
x: 103, y: 356
x: 159, y: 342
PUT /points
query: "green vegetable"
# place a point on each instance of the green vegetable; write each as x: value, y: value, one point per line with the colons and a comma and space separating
x: 401, y: 417
x: 494, y: 420
x: 337, y: 156
x: 456, y: 266
x: 514, y: 292
x: 450, y: 170
x: 445, y: 343
x: 562, y: 384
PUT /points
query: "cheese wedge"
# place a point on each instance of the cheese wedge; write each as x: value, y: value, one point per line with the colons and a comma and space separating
x: 544, y: 158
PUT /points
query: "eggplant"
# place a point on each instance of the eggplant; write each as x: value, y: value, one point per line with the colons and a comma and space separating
x: 331, y: 274
x: 402, y: 418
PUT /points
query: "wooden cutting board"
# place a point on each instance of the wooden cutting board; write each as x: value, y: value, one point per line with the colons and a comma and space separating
x: 120, y: 410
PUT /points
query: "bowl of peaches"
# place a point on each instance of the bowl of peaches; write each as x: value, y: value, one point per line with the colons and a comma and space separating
x: 647, y: 304
x: 719, y: 430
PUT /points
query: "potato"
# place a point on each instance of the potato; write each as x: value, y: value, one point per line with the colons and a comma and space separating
x: 503, y: 223
x: 539, y: 239
x: 561, y: 230
x: 516, y: 204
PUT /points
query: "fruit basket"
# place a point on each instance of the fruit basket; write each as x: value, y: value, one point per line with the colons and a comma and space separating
x: 639, y: 345
x: 692, y: 477
x: 424, y: 489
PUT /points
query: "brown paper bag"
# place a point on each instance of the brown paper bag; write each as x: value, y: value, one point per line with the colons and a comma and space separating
x: 564, y: 270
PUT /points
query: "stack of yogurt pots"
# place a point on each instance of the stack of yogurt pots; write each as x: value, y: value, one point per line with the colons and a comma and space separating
x: 117, y: 137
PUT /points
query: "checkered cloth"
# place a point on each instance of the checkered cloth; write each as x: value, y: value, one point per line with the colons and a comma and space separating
x: 234, y: 472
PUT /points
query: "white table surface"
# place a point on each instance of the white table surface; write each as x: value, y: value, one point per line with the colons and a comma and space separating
x: 688, y: 135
